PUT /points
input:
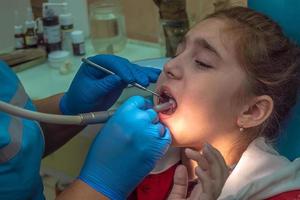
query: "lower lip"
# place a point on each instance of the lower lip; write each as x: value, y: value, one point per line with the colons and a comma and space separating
x: 163, y: 116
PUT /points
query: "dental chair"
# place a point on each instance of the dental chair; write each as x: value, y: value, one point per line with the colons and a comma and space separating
x: 287, y: 14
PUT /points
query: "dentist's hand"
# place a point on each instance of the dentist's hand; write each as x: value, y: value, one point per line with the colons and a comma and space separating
x: 95, y: 90
x: 212, y: 174
x: 125, y: 150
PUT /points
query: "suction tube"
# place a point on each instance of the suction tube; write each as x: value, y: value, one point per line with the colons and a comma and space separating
x: 81, y: 119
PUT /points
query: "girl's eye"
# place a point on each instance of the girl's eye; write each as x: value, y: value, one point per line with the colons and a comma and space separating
x: 202, y: 64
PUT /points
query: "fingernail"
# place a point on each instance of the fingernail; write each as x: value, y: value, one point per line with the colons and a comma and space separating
x: 206, y: 148
x: 188, y: 150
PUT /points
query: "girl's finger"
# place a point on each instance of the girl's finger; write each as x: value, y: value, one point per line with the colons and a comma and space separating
x: 196, y: 192
x: 198, y: 157
x: 205, y: 180
x: 220, y: 160
x: 214, y: 168
x: 180, y: 184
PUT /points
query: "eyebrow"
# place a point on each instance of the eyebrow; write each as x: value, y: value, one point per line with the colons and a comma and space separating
x: 205, y: 44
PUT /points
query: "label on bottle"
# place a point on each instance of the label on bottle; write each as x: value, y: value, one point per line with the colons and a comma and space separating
x: 52, y: 34
x: 19, y: 42
x: 81, y: 48
x: 67, y: 40
x: 30, y: 40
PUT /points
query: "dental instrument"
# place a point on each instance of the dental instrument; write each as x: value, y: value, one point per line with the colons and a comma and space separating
x: 84, y: 60
x: 81, y: 119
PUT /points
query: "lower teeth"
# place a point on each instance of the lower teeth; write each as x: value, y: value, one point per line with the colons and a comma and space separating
x: 172, y: 108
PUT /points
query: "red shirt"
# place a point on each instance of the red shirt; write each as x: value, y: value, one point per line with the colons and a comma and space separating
x: 155, y: 186
x: 291, y: 195
x: 158, y: 187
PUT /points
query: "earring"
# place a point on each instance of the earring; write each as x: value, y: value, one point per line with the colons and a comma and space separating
x: 242, y: 129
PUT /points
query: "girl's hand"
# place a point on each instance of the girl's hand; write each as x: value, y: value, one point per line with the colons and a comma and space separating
x: 212, y: 174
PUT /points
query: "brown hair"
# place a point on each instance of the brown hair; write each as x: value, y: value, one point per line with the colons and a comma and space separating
x: 271, y: 61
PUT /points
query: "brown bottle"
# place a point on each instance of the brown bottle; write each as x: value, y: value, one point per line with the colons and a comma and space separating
x: 52, y: 36
x: 30, y: 35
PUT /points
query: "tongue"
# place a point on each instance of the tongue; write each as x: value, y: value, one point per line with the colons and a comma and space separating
x: 172, y: 109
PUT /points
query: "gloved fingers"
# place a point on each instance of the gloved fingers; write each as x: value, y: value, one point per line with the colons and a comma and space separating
x: 167, y: 135
x: 107, y: 84
x: 139, y: 102
x: 140, y: 76
x: 152, y: 73
x: 128, y: 71
x: 120, y: 66
x: 153, y: 116
x: 160, y: 129
x: 92, y: 71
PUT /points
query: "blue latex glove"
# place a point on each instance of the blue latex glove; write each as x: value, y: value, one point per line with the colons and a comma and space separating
x: 94, y: 90
x: 125, y: 150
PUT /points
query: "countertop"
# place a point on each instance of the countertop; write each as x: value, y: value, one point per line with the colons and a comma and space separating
x: 42, y: 81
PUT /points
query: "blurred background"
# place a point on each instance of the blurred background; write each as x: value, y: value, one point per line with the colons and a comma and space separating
x: 141, y: 17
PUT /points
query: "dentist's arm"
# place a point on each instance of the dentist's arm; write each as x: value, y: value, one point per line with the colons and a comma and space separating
x: 91, y: 90
x: 80, y: 190
x: 122, y: 154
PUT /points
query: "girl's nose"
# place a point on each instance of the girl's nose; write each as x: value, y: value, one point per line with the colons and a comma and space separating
x: 173, y: 69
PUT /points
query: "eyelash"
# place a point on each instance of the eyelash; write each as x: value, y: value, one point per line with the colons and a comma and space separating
x: 202, y: 64
x: 199, y: 63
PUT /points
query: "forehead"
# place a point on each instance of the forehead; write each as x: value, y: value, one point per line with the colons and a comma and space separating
x: 217, y: 33
x: 209, y: 27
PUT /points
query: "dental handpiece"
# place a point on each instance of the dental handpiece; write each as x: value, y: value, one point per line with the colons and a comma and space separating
x: 102, y: 117
x: 81, y: 119
x: 112, y: 73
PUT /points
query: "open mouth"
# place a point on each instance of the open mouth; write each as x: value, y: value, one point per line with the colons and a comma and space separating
x: 166, y: 97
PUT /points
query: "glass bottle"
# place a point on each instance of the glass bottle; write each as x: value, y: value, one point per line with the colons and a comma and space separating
x: 107, y: 24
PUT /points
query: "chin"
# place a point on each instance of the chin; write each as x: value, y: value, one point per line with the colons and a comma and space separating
x: 174, y: 119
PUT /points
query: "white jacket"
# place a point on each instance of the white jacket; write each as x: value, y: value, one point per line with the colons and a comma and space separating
x: 261, y: 173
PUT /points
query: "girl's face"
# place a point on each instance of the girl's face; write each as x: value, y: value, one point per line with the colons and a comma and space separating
x: 204, y: 79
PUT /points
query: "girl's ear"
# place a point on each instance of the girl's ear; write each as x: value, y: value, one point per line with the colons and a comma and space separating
x: 255, y: 112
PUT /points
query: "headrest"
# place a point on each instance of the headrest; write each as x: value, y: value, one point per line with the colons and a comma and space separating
x: 286, y: 14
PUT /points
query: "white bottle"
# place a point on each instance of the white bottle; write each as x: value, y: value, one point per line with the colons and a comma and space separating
x: 19, y: 37
x: 19, y: 33
x: 66, y: 25
x: 80, y: 13
x: 78, y: 43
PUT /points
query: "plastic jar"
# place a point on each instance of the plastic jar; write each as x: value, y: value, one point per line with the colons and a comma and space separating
x: 57, y: 59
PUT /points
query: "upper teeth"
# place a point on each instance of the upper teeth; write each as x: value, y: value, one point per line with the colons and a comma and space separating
x: 167, y: 93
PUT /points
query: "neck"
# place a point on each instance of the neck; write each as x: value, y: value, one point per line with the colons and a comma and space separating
x: 231, y: 148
